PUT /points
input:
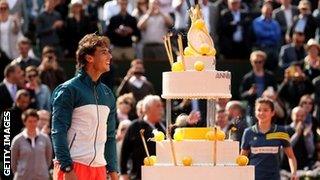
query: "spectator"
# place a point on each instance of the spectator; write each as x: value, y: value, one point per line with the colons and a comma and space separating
x: 31, y: 151
x: 135, y: 82
x: 237, y: 119
x: 112, y: 8
x: 294, y: 85
x: 10, y: 31
x: 181, y: 15
x: 125, y: 105
x: 233, y: 31
x: 121, y: 132
x: 302, y: 138
x: 18, y: 8
x: 268, y: 36
x: 9, y: 87
x: 304, y: 22
x: 132, y: 147
x: 257, y: 80
x: 307, y: 103
x: 264, y: 152
x: 222, y: 120
x: 154, y: 25
x: 44, y: 121
x: 51, y: 74
x: 139, y: 110
x: 77, y: 25
x: 312, y: 60
x: 140, y: 10
x: 293, y: 52
x: 42, y: 92
x: 33, y: 10
x: 48, y: 23
x: 121, y: 30
x: 22, y: 102
x: 284, y: 15
x: 24, y: 60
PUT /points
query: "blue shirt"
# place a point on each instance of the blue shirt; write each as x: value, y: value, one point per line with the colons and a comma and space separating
x: 267, y: 31
x: 265, y: 150
x: 260, y: 85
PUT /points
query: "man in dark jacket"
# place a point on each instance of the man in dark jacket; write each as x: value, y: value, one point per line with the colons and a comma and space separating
x: 256, y: 81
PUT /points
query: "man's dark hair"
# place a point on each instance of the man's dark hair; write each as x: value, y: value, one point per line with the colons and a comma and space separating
x: 88, y: 45
x: 27, y: 113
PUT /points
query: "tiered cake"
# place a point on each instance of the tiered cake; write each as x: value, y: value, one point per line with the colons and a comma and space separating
x: 197, y: 153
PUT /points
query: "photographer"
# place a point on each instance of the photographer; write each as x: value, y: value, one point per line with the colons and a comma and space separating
x: 294, y: 85
x: 135, y: 82
x: 50, y: 72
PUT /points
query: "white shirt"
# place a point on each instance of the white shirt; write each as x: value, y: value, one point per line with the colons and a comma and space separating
x: 165, y: 6
x: 206, y: 16
x: 181, y: 16
x: 287, y: 15
x: 4, y: 37
x: 12, y: 88
x: 33, y: 140
x: 137, y: 82
x: 155, y: 29
x: 11, y: 3
x: 111, y: 8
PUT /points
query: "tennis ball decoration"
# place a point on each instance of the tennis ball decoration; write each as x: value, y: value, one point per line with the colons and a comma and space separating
x: 210, y: 136
x: 198, y: 66
x: 177, y: 67
x: 187, y: 161
x: 204, y: 49
x: 149, y: 161
x: 242, y: 160
x: 220, y: 135
x: 188, y: 51
x: 178, y: 136
x: 159, y: 136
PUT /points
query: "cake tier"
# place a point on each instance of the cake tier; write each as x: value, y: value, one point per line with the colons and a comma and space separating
x: 208, y: 61
x: 197, y: 172
x: 201, y: 151
x: 194, y: 133
x: 196, y: 85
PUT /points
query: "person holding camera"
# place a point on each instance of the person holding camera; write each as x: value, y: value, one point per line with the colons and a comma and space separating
x: 50, y: 72
x: 294, y: 85
x: 135, y: 82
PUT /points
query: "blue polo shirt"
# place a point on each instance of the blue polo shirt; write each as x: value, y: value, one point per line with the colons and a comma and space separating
x: 265, y: 150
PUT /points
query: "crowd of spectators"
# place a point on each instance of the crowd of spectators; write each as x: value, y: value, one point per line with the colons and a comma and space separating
x: 279, y: 39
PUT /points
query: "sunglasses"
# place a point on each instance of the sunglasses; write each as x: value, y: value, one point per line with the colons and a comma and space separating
x: 257, y: 62
x: 4, y: 8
